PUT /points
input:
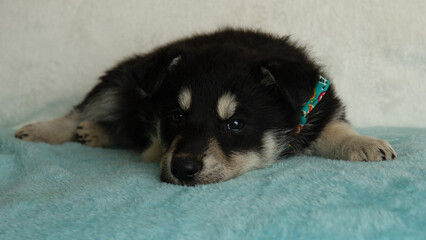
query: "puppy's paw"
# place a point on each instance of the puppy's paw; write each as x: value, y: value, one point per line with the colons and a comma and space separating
x: 31, y: 132
x: 56, y: 131
x: 361, y: 148
x: 91, y: 134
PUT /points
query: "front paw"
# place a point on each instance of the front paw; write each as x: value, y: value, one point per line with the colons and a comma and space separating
x: 92, y: 135
x: 30, y: 132
x: 361, y: 148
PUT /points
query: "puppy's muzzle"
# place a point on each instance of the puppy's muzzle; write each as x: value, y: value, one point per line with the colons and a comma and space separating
x: 185, y: 169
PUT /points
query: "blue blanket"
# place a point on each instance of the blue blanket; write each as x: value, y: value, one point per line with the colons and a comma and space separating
x: 71, y: 191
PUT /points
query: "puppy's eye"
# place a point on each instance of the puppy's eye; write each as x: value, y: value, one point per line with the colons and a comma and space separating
x: 176, y: 116
x: 235, y: 125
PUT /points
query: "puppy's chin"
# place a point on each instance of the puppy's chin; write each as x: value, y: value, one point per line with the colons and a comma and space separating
x: 172, y: 180
x: 168, y: 178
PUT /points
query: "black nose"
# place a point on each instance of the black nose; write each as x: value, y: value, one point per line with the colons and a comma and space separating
x: 185, y: 169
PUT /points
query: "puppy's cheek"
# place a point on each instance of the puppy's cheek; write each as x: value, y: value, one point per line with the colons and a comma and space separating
x: 213, y: 172
x: 165, y: 173
x: 165, y: 162
x: 245, y: 162
x: 165, y: 167
x: 219, y: 170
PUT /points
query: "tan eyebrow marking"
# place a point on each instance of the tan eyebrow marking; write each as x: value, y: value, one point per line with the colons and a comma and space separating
x: 184, y: 99
x: 226, y: 106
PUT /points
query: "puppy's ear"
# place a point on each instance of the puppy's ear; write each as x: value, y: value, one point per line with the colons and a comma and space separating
x: 295, y: 80
x: 153, y: 68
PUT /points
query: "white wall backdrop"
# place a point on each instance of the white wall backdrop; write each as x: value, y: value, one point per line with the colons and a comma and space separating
x: 52, y: 51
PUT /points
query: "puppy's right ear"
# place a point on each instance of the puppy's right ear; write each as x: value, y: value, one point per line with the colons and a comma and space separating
x: 151, y: 70
x: 296, y: 80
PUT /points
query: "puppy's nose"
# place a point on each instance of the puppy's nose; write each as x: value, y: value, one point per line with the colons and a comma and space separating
x: 185, y: 169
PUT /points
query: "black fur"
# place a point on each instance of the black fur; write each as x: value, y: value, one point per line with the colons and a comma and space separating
x: 212, y: 64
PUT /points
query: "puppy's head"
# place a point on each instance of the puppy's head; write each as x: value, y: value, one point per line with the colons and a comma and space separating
x: 223, y: 113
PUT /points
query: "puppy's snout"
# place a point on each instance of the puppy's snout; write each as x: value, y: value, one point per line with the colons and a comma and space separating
x: 185, y: 169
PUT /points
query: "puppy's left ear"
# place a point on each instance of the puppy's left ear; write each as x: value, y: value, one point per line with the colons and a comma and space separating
x: 295, y: 80
x: 152, y: 69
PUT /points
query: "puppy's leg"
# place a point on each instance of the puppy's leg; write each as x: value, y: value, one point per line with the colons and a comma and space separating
x: 338, y: 140
x: 55, y: 131
x: 98, y: 105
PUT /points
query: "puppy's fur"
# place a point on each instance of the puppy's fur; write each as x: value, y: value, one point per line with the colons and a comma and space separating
x: 212, y: 107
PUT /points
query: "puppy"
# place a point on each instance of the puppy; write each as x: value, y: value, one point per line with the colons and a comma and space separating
x: 214, y: 106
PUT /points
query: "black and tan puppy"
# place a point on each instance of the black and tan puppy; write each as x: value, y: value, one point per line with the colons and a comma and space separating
x: 214, y: 106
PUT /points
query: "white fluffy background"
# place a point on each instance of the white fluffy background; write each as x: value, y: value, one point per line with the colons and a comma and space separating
x: 52, y: 51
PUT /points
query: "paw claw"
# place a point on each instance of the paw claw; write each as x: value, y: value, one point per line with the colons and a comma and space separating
x: 383, y: 154
x: 361, y: 148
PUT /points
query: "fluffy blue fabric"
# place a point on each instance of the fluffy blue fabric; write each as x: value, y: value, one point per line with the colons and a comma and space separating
x: 75, y: 192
